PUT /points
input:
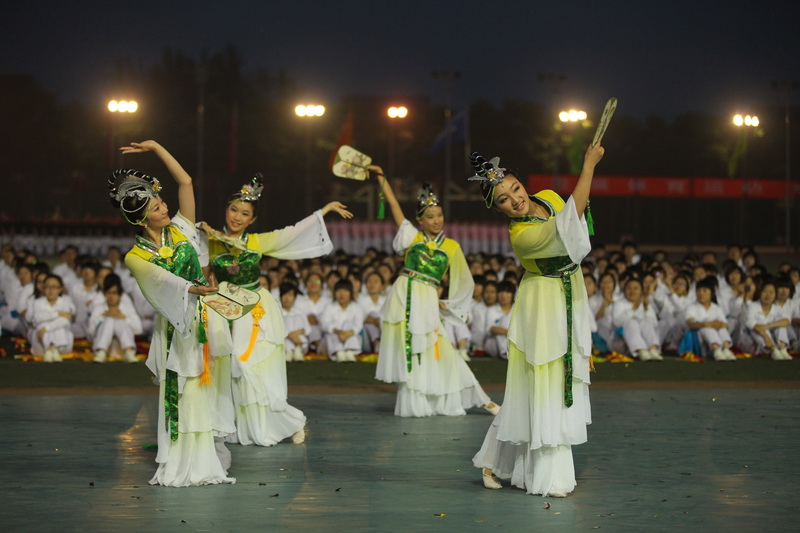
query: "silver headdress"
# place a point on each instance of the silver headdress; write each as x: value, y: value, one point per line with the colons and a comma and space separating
x: 426, y: 198
x: 488, y: 174
x: 127, y: 183
x: 251, y: 191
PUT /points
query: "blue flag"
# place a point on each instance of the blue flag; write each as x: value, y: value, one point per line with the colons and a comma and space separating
x: 456, y: 129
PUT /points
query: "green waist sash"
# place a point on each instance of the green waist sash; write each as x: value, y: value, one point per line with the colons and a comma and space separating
x: 562, y: 268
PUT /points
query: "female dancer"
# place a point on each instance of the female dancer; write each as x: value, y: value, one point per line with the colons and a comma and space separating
x: 415, y: 353
x: 546, y: 407
x: 165, y: 264
x: 258, y: 366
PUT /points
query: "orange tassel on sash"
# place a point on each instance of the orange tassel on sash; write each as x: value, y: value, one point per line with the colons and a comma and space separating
x: 257, y: 313
x: 205, y: 377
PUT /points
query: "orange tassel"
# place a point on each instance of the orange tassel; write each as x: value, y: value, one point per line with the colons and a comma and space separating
x: 257, y: 313
x: 436, y: 349
x: 205, y: 377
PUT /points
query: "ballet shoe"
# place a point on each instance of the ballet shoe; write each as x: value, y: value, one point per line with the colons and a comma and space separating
x: 299, y: 437
x: 464, y: 355
x: 777, y: 355
x: 786, y: 356
x: 492, y: 408
x: 644, y: 355
x: 557, y: 495
x: 299, y: 356
x: 56, y: 357
x: 655, y: 355
x: 99, y: 356
x: 48, y: 356
x: 720, y: 355
x: 490, y: 481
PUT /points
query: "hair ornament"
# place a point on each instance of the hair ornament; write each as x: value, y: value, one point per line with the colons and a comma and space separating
x: 251, y: 191
x: 488, y: 174
x: 426, y: 198
x: 127, y: 183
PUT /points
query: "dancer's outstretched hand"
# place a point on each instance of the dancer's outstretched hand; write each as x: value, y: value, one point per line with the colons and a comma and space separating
x: 137, y: 148
x: 375, y: 169
x: 593, y: 155
x: 338, y: 207
x: 202, y: 290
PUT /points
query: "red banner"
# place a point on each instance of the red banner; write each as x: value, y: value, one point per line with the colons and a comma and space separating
x: 664, y: 187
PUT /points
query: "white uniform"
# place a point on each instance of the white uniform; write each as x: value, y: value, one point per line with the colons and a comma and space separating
x: 84, y: 300
x: 348, y: 318
x: 105, y: 329
x: 310, y: 307
x: 294, y: 319
x: 496, y: 344
x: 638, y: 327
x: 58, y: 330
x: 755, y: 315
x: 709, y: 336
x: 371, y: 308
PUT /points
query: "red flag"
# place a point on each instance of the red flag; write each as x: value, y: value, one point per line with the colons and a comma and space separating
x: 345, y: 136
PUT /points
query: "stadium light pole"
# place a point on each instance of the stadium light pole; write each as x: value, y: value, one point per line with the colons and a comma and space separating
x: 309, y: 113
x: 116, y: 107
x: 394, y: 113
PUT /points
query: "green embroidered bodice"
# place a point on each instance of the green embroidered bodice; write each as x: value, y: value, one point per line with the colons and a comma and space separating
x: 420, y: 259
x: 183, y: 262
x: 241, y: 269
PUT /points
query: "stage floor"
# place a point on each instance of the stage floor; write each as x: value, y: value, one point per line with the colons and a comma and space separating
x: 656, y: 460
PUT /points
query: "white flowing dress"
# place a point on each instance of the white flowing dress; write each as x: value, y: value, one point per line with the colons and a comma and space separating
x: 439, y: 381
x: 530, y: 441
x: 194, y: 458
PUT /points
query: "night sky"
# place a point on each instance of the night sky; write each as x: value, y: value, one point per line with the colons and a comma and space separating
x: 657, y: 58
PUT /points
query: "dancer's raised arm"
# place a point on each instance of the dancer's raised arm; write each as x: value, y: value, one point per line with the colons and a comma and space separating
x: 584, y: 186
x: 394, y: 205
x: 186, y: 203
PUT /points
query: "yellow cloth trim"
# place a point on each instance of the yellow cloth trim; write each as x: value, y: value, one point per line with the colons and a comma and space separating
x: 257, y: 313
x: 448, y: 245
x: 174, y: 232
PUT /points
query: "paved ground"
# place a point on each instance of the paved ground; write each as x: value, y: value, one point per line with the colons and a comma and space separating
x: 713, y: 459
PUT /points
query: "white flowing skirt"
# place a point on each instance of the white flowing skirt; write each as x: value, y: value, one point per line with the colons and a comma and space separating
x: 194, y: 458
x: 440, y: 384
x: 530, y: 441
x: 263, y: 416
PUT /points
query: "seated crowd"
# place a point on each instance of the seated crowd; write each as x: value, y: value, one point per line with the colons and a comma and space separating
x: 641, y: 305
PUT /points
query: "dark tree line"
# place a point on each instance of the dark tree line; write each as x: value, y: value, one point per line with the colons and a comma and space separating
x: 56, y: 155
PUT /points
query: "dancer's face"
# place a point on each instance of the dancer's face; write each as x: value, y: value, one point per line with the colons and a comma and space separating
x: 432, y: 220
x: 158, y: 217
x: 511, y: 198
x: 238, y: 216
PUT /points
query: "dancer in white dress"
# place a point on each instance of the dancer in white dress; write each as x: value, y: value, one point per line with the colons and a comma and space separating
x: 415, y: 353
x: 255, y: 342
x: 546, y: 407
x: 165, y: 264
